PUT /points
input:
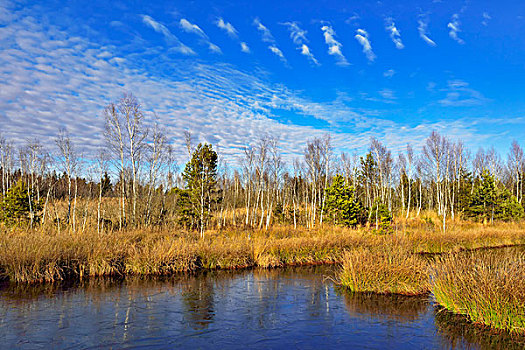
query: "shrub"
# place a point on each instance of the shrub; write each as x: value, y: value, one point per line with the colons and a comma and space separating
x: 19, y: 205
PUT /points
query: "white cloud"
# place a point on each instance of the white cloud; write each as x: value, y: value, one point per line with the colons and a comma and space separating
x: 172, y: 39
x: 277, y: 52
x: 362, y: 38
x: 227, y: 26
x: 459, y: 94
x: 298, y: 37
x: 53, y: 79
x: 389, y: 73
x: 244, y: 47
x: 192, y: 28
x: 423, y: 31
x: 305, y: 50
x: 214, y: 48
x: 454, y: 29
x: 486, y: 19
x: 352, y: 19
x: 267, y: 37
x: 297, y: 34
x: 334, y: 46
x: 232, y: 32
x: 195, y: 29
x: 387, y: 94
x: 395, y: 35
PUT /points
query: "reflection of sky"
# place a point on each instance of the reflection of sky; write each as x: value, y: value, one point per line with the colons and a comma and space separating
x: 233, y: 71
x: 259, y: 309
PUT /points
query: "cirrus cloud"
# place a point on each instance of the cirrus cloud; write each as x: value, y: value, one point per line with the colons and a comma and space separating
x: 170, y: 37
x: 334, y: 46
x: 362, y: 38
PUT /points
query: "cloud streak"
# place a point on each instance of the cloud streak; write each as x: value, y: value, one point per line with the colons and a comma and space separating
x: 189, y: 27
x: 232, y: 32
x: 362, y: 38
x: 170, y: 37
x: 486, y: 19
x: 453, y: 25
x: 245, y: 48
x: 267, y: 37
x: 389, y: 73
x: 334, y: 46
x: 395, y: 35
x: 423, y: 30
x: 460, y: 94
x: 298, y: 37
x: 227, y: 27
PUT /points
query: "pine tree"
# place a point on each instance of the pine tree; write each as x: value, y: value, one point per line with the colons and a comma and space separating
x: 106, y: 184
x: 368, y: 176
x: 200, y: 175
x: 342, y: 205
x: 508, y: 207
x: 18, y: 204
x: 465, y: 187
x: 381, y: 217
x: 186, y: 215
x: 489, y: 202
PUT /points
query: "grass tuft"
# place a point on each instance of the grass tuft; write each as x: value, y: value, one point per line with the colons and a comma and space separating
x: 385, y: 270
x: 488, y: 287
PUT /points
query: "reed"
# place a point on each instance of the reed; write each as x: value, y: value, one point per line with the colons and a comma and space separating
x: 487, y: 287
x: 48, y: 255
x: 385, y: 269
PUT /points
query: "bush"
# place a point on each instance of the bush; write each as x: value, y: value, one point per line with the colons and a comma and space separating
x: 19, y: 205
x: 342, y: 204
x: 381, y: 217
x: 490, y: 202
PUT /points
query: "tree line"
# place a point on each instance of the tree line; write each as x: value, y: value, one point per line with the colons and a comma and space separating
x: 62, y: 188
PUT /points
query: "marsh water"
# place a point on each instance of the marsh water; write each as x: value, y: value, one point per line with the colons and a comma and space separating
x: 258, y: 309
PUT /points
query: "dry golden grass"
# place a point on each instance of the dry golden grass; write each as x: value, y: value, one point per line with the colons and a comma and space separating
x: 386, y: 269
x: 42, y: 257
x: 45, y: 255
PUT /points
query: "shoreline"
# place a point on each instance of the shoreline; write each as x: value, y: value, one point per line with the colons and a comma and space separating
x: 485, y: 285
x: 39, y: 257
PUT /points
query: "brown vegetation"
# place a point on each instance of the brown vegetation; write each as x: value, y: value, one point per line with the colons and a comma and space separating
x: 30, y: 256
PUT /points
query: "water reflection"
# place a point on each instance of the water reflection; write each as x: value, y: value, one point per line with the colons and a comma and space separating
x: 281, y: 308
x: 458, y: 333
x: 197, y: 296
x: 386, y: 307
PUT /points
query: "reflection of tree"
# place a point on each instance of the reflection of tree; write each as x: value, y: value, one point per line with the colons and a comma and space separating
x: 388, y: 307
x: 27, y: 293
x: 458, y: 333
x: 198, y: 297
x: 276, y: 291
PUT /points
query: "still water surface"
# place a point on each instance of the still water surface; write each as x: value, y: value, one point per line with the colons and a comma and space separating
x: 257, y: 309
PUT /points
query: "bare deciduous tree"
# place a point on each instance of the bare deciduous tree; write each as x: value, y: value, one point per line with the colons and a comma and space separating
x: 69, y: 162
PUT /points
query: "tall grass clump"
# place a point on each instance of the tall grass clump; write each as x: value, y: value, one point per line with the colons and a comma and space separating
x: 46, y: 255
x: 385, y: 270
x: 487, y: 287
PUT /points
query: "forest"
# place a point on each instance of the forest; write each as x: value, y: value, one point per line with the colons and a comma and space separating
x: 135, y: 182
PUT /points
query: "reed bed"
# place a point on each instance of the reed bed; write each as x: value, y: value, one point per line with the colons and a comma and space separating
x: 386, y: 270
x: 48, y: 256
x: 488, y: 287
x: 30, y: 257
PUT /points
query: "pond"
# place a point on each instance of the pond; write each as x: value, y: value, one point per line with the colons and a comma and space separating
x: 258, y: 309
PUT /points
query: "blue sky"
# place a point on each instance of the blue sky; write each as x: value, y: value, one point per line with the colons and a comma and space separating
x: 232, y: 71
